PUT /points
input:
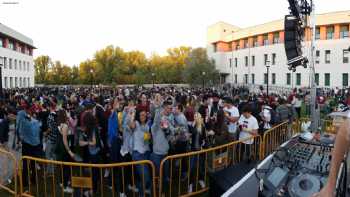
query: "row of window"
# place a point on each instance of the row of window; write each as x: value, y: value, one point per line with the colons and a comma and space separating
x: 343, y: 33
x: 327, y: 79
x: 330, y: 34
x: 12, y: 46
x: 15, y: 64
x: 16, y: 82
x: 327, y: 58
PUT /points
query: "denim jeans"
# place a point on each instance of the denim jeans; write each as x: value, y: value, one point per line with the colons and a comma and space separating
x: 143, y: 172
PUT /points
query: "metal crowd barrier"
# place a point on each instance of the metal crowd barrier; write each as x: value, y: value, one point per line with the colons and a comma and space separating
x: 41, y: 177
x: 275, y: 137
x: 179, y: 172
x: 8, y: 173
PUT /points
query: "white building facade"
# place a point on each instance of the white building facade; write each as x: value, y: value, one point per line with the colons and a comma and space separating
x: 242, y: 55
x: 17, y: 53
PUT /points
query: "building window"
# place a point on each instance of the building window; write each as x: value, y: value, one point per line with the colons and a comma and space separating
x: 236, y: 78
x: 246, y: 78
x: 273, y: 58
x: 265, y: 59
x: 317, y: 79
x: 345, y: 79
x: 27, y: 66
x: 317, y: 34
x: 15, y: 64
x: 266, y: 40
x: 317, y: 59
x: 5, y: 62
x: 276, y: 38
x: 20, y: 82
x: 298, y: 80
x: 344, y: 31
x: 265, y: 78
x: 238, y: 46
x: 273, y: 78
x: 253, y: 60
x: 236, y: 62
x: 288, y: 78
x: 5, y: 82
x: 327, y: 79
x: 246, y: 60
x: 230, y: 62
x: 215, y: 47
x: 11, y: 82
x: 345, y: 56
x: 255, y: 42
x: 328, y: 57
x: 253, y: 78
x: 10, y: 63
x: 11, y: 45
x: 330, y: 33
x: 246, y: 44
x: 20, y: 65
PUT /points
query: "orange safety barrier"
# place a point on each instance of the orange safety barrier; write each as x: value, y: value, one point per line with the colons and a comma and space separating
x: 8, y: 173
x: 187, y: 174
x: 41, y: 177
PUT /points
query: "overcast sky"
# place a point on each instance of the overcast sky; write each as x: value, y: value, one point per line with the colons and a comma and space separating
x: 72, y: 30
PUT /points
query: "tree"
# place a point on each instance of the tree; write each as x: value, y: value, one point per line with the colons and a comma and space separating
x: 42, y: 66
x: 197, y: 63
x: 84, y: 71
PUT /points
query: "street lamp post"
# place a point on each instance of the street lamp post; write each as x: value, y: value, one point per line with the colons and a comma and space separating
x: 91, y: 71
x: 1, y: 64
x: 203, y: 76
x: 153, y: 75
x: 267, y: 77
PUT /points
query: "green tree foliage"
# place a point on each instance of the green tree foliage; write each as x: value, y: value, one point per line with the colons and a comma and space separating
x: 42, y: 66
x: 197, y: 63
x: 112, y: 65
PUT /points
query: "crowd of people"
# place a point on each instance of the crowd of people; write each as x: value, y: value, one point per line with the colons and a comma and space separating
x: 112, y: 125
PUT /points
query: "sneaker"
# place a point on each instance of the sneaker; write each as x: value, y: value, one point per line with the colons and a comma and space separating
x: 133, y: 188
x: 68, y: 190
x: 189, y: 190
x: 202, y: 184
x: 106, y: 173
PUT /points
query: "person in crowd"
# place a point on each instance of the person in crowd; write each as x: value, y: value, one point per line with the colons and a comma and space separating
x: 231, y: 114
x: 52, y: 132
x: 249, y: 128
x: 162, y: 130
x: 141, y: 138
x: 63, y: 148
x: 29, y: 130
x: 89, y: 141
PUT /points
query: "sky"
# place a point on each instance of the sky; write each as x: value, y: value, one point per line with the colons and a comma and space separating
x: 73, y: 30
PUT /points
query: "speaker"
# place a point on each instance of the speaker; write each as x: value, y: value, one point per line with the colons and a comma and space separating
x: 293, y: 34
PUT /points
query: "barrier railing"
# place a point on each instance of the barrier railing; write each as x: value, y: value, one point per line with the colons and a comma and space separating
x: 187, y: 174
x: 8, y: 172
x: 179, y: 175
x: 327, y: 126
x: 40, y: 177
x: 276, y: 136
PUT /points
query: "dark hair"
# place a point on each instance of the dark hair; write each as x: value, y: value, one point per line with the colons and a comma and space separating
x: 89, y: 121
x: 247, y: 108
x: 61, y: 116
x: 180, y: 107
x: 138, y: 116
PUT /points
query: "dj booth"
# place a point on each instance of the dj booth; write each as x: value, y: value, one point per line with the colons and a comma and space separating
x: 297, y: 169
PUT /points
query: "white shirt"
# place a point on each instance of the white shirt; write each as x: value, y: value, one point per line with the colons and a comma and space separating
x: 267, y: 116
x: 248, y: 123
x: 233, y: 112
